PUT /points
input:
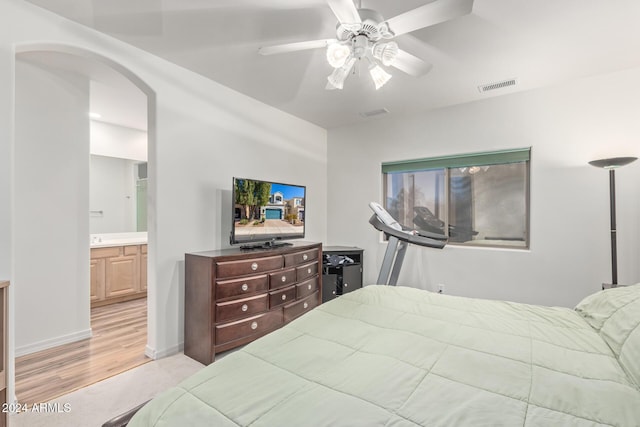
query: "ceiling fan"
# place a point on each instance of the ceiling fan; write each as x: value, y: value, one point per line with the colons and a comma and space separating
x: 364, y: 35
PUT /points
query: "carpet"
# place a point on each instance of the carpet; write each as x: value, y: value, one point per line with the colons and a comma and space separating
x: 93, y: 405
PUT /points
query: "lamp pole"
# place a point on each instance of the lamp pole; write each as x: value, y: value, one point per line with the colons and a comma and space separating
x: 612, y: 164
x: 614, y: 238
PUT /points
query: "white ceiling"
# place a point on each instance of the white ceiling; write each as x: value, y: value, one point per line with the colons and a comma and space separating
x: 538, y: 42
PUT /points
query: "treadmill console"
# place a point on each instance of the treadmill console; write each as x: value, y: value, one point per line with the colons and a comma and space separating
x: 384, y: 216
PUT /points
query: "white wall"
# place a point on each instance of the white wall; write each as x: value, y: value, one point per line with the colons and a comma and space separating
x: 200, y: 134
x: 6, y: 150
x: 200, y: 149
x: 51, y: 225
x: 113, y: 194
x: 566, y: 126
x: 118, y: 141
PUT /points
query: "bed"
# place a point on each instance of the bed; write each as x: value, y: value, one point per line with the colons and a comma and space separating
x: 399, y: 356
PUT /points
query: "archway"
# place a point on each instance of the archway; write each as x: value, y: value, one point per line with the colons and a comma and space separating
x: 51, y: 238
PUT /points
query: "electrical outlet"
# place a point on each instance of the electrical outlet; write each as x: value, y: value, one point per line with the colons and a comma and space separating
x: 440, y: 288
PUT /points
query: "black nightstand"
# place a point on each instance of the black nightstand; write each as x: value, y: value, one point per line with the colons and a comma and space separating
x: 343, y: 278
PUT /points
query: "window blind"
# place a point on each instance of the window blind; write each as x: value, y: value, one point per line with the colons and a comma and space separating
x: 486, y: 158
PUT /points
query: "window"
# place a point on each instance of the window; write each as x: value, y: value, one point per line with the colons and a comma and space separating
x: 475, y: 199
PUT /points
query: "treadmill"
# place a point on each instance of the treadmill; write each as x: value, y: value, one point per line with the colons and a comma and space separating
x: 399, y: 238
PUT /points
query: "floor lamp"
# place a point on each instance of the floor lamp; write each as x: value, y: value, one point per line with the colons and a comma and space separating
x: 612, y: 164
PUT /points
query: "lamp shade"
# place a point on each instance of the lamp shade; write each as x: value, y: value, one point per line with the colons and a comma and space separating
x: 337, y: 54
x: 385, y: 52
x: 612, y: 163
x: 379, y: 76
x: 337, y: 78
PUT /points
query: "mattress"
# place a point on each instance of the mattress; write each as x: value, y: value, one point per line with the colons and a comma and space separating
x: 398, y: 356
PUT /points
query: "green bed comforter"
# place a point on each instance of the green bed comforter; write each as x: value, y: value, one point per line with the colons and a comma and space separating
x: 398, y: 356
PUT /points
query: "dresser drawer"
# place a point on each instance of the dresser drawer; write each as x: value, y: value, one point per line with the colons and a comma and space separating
x: 241, y: 307
x: 300, y: 307
x: 237, y: 287
x: 250, y: 266
x: 246, y: 327
x: 282, y: 278
x: 306, y: 288
x: 300, y: 258
x: 282, y: 296
x: 305, y: 271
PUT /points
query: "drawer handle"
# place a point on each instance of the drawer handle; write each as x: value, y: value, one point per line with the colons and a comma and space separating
x: 305, y: 305
x: 254, y: 325
x: 333, y: 292
x: 304, y: 257
x: 346, y: 285
x: 284, y: 297
x: 245, y: 307
x: 245, y: 287
x: 309, y: 286
x: 254, y: 266
x: 284, y: 278
x: 309, y: 270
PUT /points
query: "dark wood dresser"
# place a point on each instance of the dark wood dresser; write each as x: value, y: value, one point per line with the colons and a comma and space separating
x: 234, y: 296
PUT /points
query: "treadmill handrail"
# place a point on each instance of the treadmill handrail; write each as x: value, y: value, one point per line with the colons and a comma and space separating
x: 422, y: 238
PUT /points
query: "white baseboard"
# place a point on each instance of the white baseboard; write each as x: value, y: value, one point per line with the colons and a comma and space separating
x: 53, y: 342
x: 159, y: 354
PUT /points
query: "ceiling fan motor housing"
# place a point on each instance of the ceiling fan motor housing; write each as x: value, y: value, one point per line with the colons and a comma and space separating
x: 372, y: 26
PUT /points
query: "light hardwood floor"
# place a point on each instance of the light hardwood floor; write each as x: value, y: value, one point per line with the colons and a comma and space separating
x: 118, y: 342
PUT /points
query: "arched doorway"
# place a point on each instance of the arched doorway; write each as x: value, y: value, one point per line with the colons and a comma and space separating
x: 51, y: 304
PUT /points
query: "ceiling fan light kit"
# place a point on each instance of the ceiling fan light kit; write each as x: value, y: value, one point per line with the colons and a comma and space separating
x: 337, y: 54
x: 360, y: 40
x: 339, y: 75
x: 386, y: 52
x: 364, y: 34
x: 378, y: 75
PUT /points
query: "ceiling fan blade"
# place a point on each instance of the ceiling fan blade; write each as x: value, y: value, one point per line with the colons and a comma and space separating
x: 410, y: 64
x: 429, y: 14
x: 294, y: 47
x: 345, y: 11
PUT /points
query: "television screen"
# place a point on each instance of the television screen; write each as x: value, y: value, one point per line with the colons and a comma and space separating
x: 268, y: 212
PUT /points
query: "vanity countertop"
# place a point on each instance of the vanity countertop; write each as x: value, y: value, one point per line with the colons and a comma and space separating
x: 106, y: 240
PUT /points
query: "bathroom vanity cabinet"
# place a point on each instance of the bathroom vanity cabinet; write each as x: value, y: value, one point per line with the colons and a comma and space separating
x: 118, y: 273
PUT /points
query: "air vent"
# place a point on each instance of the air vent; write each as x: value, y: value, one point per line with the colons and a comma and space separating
x: 497, y: 85
x: 373, y: 113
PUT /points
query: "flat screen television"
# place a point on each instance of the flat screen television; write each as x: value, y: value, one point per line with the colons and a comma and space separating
x: 265, y: 213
